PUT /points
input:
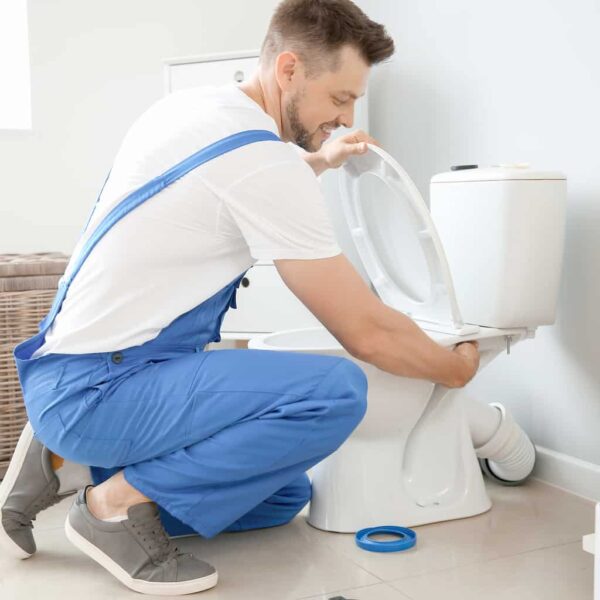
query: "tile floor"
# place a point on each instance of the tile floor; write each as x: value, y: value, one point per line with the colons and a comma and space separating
x: 528, y: 546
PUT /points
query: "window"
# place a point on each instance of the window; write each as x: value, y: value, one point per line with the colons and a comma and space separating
x: 15, y: 99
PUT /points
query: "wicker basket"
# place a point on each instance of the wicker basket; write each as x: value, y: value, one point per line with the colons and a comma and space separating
x: 28, y: 284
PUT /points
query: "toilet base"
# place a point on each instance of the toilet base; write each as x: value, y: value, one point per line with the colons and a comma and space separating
x: 316, y: 520
x: 320, y: 518
x: 371, y: 481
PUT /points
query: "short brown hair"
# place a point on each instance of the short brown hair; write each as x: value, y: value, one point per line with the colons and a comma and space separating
x: 317, y: 29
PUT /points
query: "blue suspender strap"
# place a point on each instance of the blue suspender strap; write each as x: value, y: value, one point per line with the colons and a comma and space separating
x: 148, y: 190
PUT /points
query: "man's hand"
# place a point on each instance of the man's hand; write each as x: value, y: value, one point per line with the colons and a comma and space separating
x: 336, y: 152
x: 469, y: 353
x: 333, y: 154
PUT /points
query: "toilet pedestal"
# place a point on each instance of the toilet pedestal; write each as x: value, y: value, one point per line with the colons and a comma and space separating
x: 410, y: 462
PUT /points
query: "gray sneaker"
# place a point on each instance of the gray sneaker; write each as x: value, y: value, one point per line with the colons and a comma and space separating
x: 29, y: 486
x: 137, y: 550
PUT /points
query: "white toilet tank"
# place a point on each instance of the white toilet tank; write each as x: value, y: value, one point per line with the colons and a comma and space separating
x: 503, y: 230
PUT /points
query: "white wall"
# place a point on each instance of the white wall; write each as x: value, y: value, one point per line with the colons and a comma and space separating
x: 95, y: 66
x: 484, y: 83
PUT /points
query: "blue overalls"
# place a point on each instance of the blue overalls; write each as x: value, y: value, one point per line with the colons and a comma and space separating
x: 220, y: 440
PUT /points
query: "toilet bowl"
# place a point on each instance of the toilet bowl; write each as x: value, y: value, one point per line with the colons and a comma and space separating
x: 415, y: 457
x: 411, y: 460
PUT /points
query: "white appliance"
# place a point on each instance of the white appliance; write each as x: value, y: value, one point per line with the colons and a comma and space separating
x: 413, y: 458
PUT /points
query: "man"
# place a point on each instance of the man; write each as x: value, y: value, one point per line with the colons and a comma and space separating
x: 203, y: 442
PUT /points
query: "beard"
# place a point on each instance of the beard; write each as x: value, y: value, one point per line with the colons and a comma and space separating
x: 300, y: 135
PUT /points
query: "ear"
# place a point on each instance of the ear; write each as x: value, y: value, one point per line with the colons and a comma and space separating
x: 287, y: 70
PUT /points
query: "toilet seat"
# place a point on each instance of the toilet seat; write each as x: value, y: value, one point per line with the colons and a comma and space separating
x: 382, y: 205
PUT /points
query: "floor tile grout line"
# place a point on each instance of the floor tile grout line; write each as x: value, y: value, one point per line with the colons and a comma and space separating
x: 341, y: 554
x: 351, y: 561
x: 391, y: 581
x: 363, y: 568
x: 355, y: 589
x: 465, y: 564
x: 537, y: 549
x: 481, y: 562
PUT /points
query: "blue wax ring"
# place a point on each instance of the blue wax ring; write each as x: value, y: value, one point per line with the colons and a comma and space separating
x: 407, y: 539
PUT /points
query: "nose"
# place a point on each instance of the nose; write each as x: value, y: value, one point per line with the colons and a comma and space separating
x: 347, y: 118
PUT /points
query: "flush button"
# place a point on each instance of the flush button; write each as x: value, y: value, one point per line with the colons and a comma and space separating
x: 117, y: 358
x: 463, y: 167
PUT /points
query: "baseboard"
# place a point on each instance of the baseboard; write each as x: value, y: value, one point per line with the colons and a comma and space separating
x: 567, y: 472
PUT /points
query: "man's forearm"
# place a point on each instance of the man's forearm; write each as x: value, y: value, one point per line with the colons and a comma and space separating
x: 400, y: 346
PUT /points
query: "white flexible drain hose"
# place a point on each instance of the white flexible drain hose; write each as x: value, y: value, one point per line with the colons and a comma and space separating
x: 508, y: 455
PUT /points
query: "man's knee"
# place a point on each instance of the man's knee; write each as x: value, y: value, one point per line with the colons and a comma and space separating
x: 357, y: 386
x: 292, y: 499
x: 298, y: 493
x: 346, y: 386
x: 278, y: 509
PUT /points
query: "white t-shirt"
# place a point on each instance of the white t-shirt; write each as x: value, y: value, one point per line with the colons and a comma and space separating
x: 177, y: 249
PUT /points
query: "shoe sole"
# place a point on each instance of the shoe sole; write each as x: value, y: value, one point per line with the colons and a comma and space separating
x: 159, y: 588
x: 14, y: 468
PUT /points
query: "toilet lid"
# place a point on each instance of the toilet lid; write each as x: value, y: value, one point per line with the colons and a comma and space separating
x: 397, y: 241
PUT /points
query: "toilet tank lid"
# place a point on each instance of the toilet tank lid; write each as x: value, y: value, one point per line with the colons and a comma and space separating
x: 504, y: 172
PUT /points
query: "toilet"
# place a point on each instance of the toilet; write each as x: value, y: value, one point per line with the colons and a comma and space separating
x: 482, y: 264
